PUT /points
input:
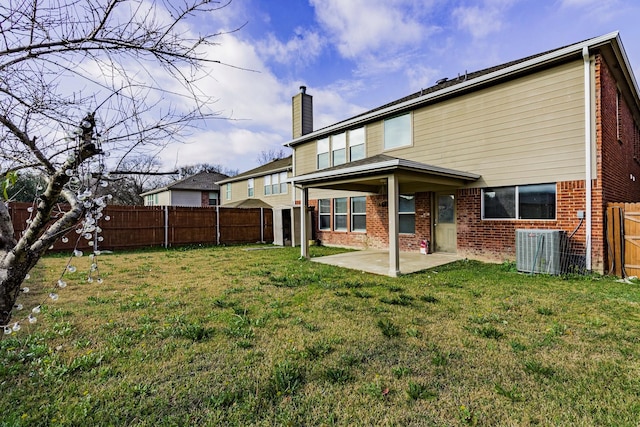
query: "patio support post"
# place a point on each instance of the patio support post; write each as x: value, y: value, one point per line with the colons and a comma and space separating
x: 304, y: 239
x: 394, y: 218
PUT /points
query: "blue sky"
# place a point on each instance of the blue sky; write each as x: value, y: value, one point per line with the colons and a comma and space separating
x: 354, y: 55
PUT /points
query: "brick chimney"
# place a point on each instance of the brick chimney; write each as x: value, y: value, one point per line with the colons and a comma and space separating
x: 302, y: 113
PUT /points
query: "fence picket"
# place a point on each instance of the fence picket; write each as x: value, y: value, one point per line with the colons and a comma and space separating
x: 133, y: 227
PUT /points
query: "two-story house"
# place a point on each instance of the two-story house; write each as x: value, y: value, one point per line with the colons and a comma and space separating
x: 543, y: 142
x: 200, y: 189
x: 267, y: 186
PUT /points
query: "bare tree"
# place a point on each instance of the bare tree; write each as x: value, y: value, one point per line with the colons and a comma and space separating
x: 205, y: 167
x: 81, y: 79
x: 267, y: 156
x: 134, y: 176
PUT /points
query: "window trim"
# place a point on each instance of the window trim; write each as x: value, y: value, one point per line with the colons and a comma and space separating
x: 354, y: 214
x: 517, y: 204
x: 407, y: 213
x: 409, y: 115
x: 344, y: 214
x: 250, y: 188
x: 321, y: 213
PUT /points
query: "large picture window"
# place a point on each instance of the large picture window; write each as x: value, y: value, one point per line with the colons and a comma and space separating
x: 520, y: 202
x: 340, y: 214
x: 359, y: 214
x: 407, y: 214
x: 324, y: 214
x: 397, y: 132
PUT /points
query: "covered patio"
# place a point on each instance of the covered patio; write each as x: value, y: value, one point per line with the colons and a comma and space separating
x: 377, y: 261
x: 382, y: 174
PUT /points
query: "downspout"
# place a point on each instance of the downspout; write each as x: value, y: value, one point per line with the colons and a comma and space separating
x: 587, y: 153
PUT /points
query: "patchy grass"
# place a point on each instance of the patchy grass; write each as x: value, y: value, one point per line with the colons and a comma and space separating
x: 225, y: 336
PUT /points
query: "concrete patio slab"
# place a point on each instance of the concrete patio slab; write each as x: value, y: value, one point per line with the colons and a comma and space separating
x: 377, y: 261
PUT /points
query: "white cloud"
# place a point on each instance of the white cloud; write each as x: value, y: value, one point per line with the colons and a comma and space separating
x: 362, y: 27
x: 304, y: 47
x: 482, y: 20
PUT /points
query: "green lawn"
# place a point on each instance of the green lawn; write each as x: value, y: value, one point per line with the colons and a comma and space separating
x: 226, y: 336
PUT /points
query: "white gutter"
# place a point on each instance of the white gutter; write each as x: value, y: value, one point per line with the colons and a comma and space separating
x: 587, y: 153
x: 522, y: 66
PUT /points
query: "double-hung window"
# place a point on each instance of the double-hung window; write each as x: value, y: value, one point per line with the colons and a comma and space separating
x: 359, y: 214
x: 250, y: 187
x: 322, y: 147
x: 228, y: 191
x: 397, y: 132
x: 267, y: 185
x: 340, y: 214
x: 324, y: 214
x: 407, y: 213
x: 520, y: 202
x: 338, y: 149
x: 213, y: 198
x: 356, y: 144
x: 283, y: 183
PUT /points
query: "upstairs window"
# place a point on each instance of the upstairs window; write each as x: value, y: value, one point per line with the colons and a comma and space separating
x: 323, y: 153
x: 267, y: 185
x: 338, y: 149
x: 250, y: 187
x: 356, y: 144
x: 228, y: 188
x: 283, y: 183
x: 397, y: 132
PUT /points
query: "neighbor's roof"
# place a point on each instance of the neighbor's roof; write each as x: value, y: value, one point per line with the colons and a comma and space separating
x: 466, y: 82
x: 247, y: 203
x: 279, y: 165
x: 203, y: 181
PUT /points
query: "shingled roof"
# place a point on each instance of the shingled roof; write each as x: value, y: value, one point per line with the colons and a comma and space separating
x: 278, y: 165
x: 467, y: 81
x: 203, y: 181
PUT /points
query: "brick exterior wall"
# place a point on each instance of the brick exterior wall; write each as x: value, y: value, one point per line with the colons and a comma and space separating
x: 616, y: 163
x: 377, y: 235
x: 495, y: 240
x: 617, y: 179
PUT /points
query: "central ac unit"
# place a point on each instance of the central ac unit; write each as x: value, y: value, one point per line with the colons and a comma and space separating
x: 540, y: 251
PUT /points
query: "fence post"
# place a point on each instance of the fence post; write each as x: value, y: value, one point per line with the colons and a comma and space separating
x: 261, y: 225
x: 218, y: 225
x: 166, y: 226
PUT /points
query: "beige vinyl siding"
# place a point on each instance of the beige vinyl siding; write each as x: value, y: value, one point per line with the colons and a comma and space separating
x: 305, y: 158
x: 239, y: 192
x: 315, y: 194
x: 524, y: 131
x: 528, y: 130
x: 164, y: 198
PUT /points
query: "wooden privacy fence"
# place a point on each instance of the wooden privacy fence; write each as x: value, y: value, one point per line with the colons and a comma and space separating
x: 623, y: 238
x: 131, y: 227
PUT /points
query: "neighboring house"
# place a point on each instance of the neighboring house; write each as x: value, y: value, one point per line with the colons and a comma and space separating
x: 467, y: 162
x: 266, y: 186
x: 196, y: 190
